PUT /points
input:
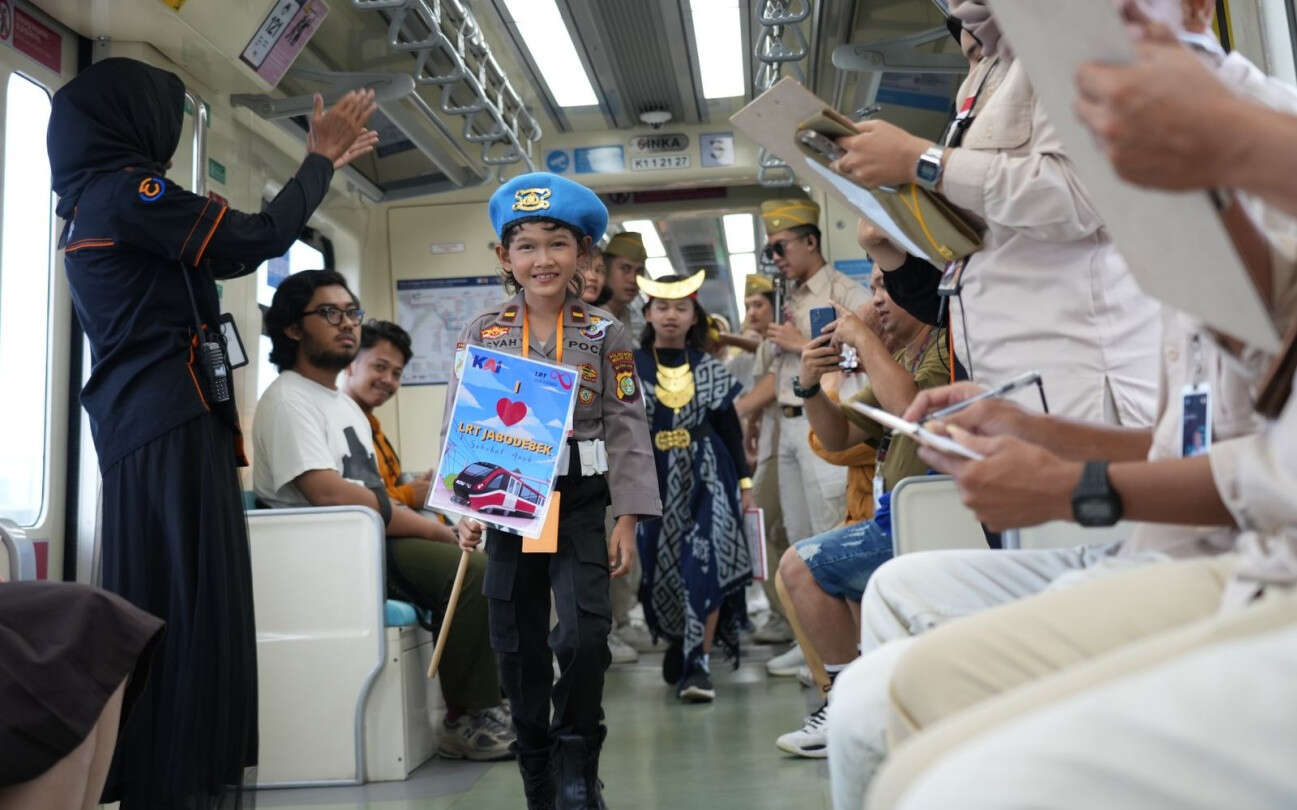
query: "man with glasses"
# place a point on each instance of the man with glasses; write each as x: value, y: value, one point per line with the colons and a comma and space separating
x: 812, y: 492
x: 314, y: 446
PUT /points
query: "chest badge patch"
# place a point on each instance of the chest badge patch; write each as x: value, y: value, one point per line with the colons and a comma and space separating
x: 625, y: 385
x: 494, y: 331
x: 531, y: 199
x: 589, y: 373
x: 597, y: 328
x: 586, y: 396
x: 152, y: 188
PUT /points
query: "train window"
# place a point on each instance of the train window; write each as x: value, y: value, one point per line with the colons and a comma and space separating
x: 25, y: 262
x: 301, y: 256
x: 741, y: 244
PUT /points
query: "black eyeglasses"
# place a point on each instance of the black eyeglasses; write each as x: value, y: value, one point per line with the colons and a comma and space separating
x: 778, y: 248
x: 334, y: 315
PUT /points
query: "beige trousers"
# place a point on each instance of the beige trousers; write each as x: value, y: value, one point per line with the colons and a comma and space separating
x: 975, y: 674
x: 765, y: 489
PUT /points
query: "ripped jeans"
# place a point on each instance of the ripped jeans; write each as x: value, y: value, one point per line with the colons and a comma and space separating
x: 843, y: 559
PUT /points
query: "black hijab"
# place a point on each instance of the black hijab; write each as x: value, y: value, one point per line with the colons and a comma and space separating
x: 116, y: 113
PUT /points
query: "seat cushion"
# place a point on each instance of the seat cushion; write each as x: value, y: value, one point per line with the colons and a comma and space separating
x: 399, y: 614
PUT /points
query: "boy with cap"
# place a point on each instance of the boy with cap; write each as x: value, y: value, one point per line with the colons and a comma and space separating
x: 624, y: 259
x: 812, y: 491
x: 546, y: 225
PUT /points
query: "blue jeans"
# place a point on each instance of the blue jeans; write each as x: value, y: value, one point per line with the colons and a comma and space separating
x: 843, y: 559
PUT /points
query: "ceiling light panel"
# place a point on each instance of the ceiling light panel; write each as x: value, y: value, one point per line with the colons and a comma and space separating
x: 652, y: 242
x: 739, y: 236
x: 551, y: 48
x: 742, y: 265
x: 719, y: 24
x: 659, y: 266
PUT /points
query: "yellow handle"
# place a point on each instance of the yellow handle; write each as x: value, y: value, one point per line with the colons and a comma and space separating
x: 914, y: 208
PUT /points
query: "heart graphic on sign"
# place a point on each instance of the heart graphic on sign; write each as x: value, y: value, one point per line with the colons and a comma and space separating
x: 510, y: 412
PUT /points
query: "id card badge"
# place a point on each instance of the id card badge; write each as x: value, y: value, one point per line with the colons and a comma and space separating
x: 1195, y: 420
x: 234, y: 351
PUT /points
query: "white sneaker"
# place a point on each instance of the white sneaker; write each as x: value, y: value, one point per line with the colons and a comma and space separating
x: 786, y: 665
x: 812, y: 739
x: 622, y: 653
x: 805, y: 678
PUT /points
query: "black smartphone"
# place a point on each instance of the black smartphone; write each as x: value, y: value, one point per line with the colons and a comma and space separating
x: 820, y: 318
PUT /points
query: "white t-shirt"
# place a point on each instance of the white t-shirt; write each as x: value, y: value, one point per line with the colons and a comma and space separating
x: 301, y: 426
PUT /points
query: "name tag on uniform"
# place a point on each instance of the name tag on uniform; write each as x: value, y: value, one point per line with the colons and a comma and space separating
x: 1195, y: 420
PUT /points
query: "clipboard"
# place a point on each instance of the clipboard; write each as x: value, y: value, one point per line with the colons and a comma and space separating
x: 920, y: 434
x: 1175, y: 243
x: 774, y: 120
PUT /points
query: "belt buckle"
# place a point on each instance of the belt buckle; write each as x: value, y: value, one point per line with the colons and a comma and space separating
x: 665, y: 440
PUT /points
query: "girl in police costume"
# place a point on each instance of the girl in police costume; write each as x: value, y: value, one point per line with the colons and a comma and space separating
x: 547, y: 226
x: 695, y: 560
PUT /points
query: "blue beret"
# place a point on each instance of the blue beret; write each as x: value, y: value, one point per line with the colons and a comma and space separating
x: 541, y: 194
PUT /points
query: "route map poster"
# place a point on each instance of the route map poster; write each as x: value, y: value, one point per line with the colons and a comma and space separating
x: 433, y: 310
x: 505, y: 438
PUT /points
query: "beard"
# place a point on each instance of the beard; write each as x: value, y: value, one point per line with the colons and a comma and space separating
x: 328, y: 358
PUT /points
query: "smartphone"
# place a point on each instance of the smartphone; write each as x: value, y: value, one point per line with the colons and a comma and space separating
x: 821, y: 144
x: 820, y: 318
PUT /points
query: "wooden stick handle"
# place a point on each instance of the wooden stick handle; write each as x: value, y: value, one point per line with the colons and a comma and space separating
x: 450, y: 614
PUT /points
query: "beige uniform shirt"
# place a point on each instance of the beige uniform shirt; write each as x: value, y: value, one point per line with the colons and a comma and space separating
x: 1048, y: 290
x: 825, y: 288
x: 609, y: 405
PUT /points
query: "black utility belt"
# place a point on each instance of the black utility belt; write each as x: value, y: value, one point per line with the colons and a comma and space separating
x: 586, y: 458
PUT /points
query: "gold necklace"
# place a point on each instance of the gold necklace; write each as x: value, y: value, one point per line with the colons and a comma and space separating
x: 675, y: 386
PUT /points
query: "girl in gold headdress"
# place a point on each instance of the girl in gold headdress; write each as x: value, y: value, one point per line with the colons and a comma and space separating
x: 695, y: 560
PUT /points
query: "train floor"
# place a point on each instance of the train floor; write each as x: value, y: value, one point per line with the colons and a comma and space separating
x: 660, y: 753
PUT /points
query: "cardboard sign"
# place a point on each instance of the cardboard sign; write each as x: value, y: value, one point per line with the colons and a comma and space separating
x: 507, y: 436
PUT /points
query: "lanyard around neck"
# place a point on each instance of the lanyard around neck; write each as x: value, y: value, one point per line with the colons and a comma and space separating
x: 558, y: 334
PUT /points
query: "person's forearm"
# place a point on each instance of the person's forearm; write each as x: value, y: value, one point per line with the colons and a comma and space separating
x: 1267, y: 150
x: 886, y: 256
x: 745, y: 343
x: 893, y: 385
x: 1076, y: 440
x: 1179, y: 491
x: 826, y: 419
x: 756, y: 400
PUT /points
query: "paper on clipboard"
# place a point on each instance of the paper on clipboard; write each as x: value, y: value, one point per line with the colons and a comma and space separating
x: 1176, y: 246
x: 772, y: 120
x: 917, y: 432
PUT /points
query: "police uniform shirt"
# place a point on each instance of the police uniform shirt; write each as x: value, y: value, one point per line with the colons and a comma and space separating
x: 609, y: 403
x: 825, y: 288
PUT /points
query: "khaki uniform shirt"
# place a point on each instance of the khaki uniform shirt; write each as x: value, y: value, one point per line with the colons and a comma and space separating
x: 903, y: 455
x: 609, y: 405
x: 825, y: 288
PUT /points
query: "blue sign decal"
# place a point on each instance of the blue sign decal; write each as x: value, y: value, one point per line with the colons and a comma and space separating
x: 600, y: 159
x: 276, y: 271
x: 855, y: 268
x: 558, y: 161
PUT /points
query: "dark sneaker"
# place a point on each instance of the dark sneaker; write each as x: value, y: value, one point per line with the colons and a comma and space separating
x: 697, y: 687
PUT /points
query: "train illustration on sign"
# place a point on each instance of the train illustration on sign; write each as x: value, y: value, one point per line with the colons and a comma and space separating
x: 493, y: 489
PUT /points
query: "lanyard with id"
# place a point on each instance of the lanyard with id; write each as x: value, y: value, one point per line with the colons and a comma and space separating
x: 547, y: 542
x: 1195, y: 406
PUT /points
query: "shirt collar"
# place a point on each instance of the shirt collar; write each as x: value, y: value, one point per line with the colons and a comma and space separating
x: 511, y: 313
x: 819, y: 283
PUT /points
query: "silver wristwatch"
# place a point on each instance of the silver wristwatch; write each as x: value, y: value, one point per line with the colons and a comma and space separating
x: 928, y: 169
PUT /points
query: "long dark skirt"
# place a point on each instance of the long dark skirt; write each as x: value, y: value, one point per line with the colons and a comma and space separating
x: 64, y: 650
x: 175, y: 543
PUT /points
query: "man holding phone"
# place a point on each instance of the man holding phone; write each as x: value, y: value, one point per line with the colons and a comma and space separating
x: 812, y: 491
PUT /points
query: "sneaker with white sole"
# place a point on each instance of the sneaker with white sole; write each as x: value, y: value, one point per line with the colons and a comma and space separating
x: 776, y: 630
x: 812, y: 739
x: 805, y: 678
x: 697, y: 687
x: 787, y: 664
x: 622, y: 653
x: 479, y: 737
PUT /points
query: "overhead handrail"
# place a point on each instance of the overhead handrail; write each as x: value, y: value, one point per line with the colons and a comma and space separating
x: 495, y: 116
x: 780, y: 51
x: 898, y: 55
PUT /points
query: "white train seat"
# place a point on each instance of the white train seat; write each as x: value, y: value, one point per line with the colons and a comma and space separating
x: 341, y: 669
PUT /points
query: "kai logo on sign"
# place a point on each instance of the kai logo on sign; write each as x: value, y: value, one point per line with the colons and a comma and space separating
x: 531, y: 199
x: 487, y: 364
x: 152, y: 188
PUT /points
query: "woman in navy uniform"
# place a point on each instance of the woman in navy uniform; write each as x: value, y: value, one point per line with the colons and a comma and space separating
x: 142, y: 256
x: 547, y: 224
x: 695, y: 560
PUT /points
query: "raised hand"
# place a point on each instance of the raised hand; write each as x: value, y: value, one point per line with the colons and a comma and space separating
x: 340, y: 134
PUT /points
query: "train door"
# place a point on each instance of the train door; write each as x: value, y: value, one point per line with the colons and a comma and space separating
x: 37, y: 56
